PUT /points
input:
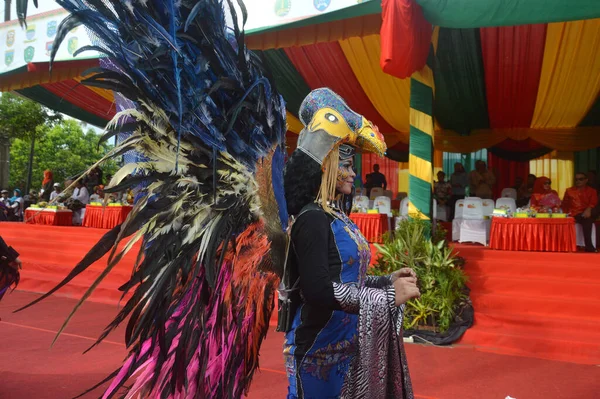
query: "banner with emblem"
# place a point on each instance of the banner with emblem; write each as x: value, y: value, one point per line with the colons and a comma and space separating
x: 270, y: 13
x: 20, y: 46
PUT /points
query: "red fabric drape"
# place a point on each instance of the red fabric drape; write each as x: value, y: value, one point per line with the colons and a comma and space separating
x: 405, y: 38
x: 324, y: 65
x: 506, y: 172
x: 386, y: 166
x: 552, y: 235
x: 519, y: 146
x: 512, y: 59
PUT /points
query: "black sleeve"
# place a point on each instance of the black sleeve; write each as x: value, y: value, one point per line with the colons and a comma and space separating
x: 7, y: 252
x: 310, y: 240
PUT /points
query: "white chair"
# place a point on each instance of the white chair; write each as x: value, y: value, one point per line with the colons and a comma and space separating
x: 434, y: 210
x: 359, y: 191
x: 401, y: 195
x: 509, y: 193
x: 388, y: 193
x: 488, y: 207
x: 384, y: 205
x: 471, y: 227
x: 404, y: 207
x: 442, y: 212
x: 506, y: 203
x: 376, y: 192
x: 361, y: 201
x: 473, y: 208
x: 458, y: 209
x: 579, y: 235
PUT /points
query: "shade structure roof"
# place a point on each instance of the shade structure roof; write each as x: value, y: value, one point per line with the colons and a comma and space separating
x: 515, y: 82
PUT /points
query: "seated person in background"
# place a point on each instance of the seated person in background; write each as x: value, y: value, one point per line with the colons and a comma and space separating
x: 98, y: 195
x: 81, y: 193
x: 17, y: 206
x: 518, y: 183
x: 4, y: 197
x: 56, y: 193
x: 525, y: 191
x: 442, y: 190
x: 544, y: 199
x: 580, y: 202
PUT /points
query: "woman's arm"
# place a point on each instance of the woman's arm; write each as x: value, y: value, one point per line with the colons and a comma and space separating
x: 310, y: 237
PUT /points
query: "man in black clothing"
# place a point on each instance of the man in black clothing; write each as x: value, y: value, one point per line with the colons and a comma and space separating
x: 377, y: 179
x: 9, y: 267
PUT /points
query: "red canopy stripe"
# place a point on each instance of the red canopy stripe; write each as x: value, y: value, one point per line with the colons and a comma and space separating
x: 325, y: 65
x: 512, y: 59
x: 76, y: 93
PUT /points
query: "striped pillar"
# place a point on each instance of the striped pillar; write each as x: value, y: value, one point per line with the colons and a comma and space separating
x: 421, y: 142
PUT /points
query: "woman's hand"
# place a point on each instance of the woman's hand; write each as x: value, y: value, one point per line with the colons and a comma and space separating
x: 406, y: 288
x: 404, y: 272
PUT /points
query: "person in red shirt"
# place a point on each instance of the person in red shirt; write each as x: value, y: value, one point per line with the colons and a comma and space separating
x: 580, y: 202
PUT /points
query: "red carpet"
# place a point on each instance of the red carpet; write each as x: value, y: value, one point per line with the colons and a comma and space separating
x: 543, y: 305
x: 49, y: 253
x: 30, y: 369
x: 538, y: 304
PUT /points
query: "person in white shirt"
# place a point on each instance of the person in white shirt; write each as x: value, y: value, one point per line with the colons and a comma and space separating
x: 56, y: 193
x: 98, y: 195
x: 81, y: 193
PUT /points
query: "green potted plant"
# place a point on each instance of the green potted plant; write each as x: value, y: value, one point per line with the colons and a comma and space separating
x: 441, y: 278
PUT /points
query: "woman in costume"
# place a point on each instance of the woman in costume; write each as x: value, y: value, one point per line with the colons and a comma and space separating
x: 338, y: 311
x: 211, y: 221
x: 543, y: 198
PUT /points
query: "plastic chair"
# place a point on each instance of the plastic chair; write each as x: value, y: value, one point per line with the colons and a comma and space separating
x: 509, y: 193
x: 404, y: 207
x: 388, y: 193
x: 384, y: 205
x: 506, y: 203
x: 442, y: 212
x: 361, y: 201
x: 376, y: 192
x: 488, y: 207
x: 473, y: 208
x: 358, y: 191
x: 458, y: 209
x: 579, y: 235
x: 401, y: 195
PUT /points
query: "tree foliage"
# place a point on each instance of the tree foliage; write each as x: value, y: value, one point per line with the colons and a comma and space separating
x: 20, y: 117
x: 65, y: 149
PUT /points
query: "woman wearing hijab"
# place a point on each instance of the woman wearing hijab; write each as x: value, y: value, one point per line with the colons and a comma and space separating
x: 47, y: 185
x: 543, y: 198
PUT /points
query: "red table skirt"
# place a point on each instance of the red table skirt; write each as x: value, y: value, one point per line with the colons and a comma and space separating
x: 551, y: 235
x: 40, y: 216
x: 371, y: 225
x: 105, y: 217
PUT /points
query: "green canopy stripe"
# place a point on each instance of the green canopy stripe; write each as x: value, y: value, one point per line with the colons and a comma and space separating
x: 420, y: 164
x: 460, y: 97
x: 422, y: 203
x: 420, y: 143
x: 288, y: 81
x: 420, y: 100
x: 480, y: 13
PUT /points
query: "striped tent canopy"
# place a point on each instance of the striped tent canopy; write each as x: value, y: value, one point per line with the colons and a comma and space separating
x: 506, y: 78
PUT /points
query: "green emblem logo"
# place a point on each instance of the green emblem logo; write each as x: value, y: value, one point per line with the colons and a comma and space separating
x: 29, y: 53
x: 282, y: 7
x: 9, y: 57
x: 10, y: 38
x: 73, y: 45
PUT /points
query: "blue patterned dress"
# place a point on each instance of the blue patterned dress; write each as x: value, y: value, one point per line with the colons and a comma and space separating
x: 323, y: 342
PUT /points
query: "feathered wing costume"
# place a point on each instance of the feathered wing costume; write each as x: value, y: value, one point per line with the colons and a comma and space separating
x: 212, y: 217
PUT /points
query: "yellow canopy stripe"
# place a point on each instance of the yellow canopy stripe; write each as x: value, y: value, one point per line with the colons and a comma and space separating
x: 570, y: 77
